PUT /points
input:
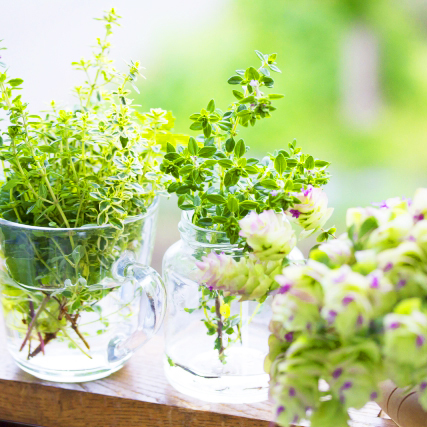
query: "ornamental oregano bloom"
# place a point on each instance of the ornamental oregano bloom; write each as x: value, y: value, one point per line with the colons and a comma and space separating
x: 269, y: 234
x: 338, y: 250
x: 248, y: 277
x: 312, y: 212
x: 353, y: 316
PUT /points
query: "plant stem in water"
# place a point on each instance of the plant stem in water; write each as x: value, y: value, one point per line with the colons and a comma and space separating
x: 73, y: 322
x: 33, y: 320
x: 219, y: 330
x: 38, y: 333
x: 47, y: 337
x: 255, y: 312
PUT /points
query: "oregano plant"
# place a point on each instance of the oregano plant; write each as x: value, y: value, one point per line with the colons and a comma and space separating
x: 250, y: 199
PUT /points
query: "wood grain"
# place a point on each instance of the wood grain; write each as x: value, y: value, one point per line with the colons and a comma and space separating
x: 138, y: 395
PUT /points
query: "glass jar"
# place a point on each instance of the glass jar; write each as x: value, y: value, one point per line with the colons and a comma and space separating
x: 215, y: 346
x: 77, y: 302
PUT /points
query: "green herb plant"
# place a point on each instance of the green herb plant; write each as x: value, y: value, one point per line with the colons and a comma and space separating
x: 216, y: 179
x: 96, y: 164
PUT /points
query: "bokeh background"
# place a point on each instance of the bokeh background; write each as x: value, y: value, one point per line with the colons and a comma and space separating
x: 354, y: 75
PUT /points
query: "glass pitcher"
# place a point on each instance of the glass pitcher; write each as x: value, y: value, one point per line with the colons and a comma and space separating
x: 78, y: 302
x: 215, y: 345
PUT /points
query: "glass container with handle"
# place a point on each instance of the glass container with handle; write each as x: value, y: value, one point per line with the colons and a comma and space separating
x: 78, y: 302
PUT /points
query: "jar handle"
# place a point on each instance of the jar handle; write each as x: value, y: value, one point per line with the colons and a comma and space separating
x: 152, y: 304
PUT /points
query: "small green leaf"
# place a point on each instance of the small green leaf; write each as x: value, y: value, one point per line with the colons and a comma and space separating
x: 225, y: 163
x: 280, y: 164
x: 193, y: 147
x: 12, y: 183
x: 232, y: 204
x: 239, y: 95
x: 247, y: 100
x: 270, y: 184
x: 322, y: 237
x: 207, y: 130
x: 216, y: 199
x: 291, y: 163
x: 207, y: 152
x: 272, y: 58
x: 268, y: 81
x: 248, y: 204
x: 235, y: 80
x: 275, y: 96
x: 332, y: 230
x: 117, y: 223
x: 274, y: 68
x: 309, y: 163
x: 243, y: 113
x: 170, y: 148
x: 96, y: 196
x: 229, y: 145
x: 260, y: 55
x: 47, y: 149
x: 15, y: 82
x: 251, y: 74
x: 77, y: 253
x: 321, y: 163
x: 196, y: 126
x: 240, y: 148
x: 211, y: 106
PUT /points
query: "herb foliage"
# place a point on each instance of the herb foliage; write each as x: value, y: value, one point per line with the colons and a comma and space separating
x: 217, y: 179
x: 96, y: 164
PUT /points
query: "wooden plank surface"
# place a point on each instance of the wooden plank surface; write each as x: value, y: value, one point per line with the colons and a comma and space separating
x: 138, y: 395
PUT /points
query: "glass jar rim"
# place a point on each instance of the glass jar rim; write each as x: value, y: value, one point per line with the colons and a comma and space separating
x: 186, y: 219
x: 150, y: 210
x: 201, y: 236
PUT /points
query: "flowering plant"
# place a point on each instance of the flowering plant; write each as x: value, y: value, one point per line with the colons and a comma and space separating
x: 95, y: 164
x: 253, y: 201
x: 354, y: 315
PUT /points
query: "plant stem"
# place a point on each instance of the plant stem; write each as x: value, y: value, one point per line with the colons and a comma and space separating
x: 63, y: 330
x: 73, y: 322
x: 38, y: 333
x: 255, y: 312
x: 220, y: 326
x: 47, y: 337
x: 33, y: 321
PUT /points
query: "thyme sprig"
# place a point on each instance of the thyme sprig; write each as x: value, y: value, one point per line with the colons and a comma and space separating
x: 94, y: 164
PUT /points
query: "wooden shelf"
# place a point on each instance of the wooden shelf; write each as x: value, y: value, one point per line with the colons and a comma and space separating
x: 138, y: 395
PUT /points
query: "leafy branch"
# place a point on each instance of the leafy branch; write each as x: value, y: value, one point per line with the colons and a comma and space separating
x: 216, y: 179
x: 95, y: 164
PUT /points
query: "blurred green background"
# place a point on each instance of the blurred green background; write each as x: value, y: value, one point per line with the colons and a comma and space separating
x: 354, y: 73
x: 355, y: 78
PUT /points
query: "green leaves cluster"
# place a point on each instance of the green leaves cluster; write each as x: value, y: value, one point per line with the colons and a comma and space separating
x: 215, y: 177
x: 95, y: 164
x: 226, y: 328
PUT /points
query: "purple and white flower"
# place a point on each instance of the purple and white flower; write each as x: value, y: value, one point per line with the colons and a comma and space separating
x: 312, y: 211
x: 248, y: 277
x: 269, y: 234
x: 338, y: 250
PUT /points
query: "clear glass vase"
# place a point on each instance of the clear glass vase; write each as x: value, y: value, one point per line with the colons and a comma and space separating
x: 215, y: 346
x: 78, y: 302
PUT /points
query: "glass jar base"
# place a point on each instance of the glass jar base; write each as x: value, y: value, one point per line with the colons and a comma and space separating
x: 71, y: 376
x: 221, y: 389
